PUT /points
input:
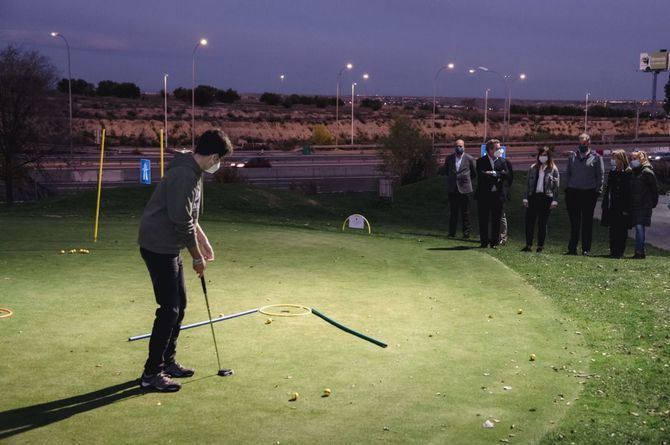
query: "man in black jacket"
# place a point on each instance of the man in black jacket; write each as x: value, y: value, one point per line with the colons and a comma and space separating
x: 491, y: 174
x: 169, y: 224
x: 461, y: 171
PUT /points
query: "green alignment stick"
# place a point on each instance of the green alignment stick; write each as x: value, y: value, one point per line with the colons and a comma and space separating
x: 349, y: 330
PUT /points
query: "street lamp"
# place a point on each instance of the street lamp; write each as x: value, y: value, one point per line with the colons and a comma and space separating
x: 353, y: 88
x: 165, y: 94
x: 486, y: 111
x: 586, y: 113
x: 449, y: 66
x: 510, y: 81
x: 348, y: 66
x: 69, y: 80
x: 202, y: 42
x: 281, y: 83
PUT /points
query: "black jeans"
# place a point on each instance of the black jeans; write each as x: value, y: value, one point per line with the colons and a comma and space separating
x: 618, y: 233
x: 167, y: 277
x: 459, y: 203
x: 581, y: 204
x: 539, y: 208
x: 490, y: 207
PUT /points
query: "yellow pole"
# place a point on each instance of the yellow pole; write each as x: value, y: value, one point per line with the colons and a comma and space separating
x: 161, y: 152
x: 97, y: 207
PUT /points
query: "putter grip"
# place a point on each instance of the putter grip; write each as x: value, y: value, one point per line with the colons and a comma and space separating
x: 204, y: 285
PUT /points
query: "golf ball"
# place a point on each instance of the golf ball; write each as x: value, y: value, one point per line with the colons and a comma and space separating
x: 293, y: 397
x: 519, y: 311
x: 268, y: 321
x: 533, y: 357
x: 327, y: 392
x: 62, y: 252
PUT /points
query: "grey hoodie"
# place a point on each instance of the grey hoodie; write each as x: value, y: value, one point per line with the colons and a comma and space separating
x: 171, y: 215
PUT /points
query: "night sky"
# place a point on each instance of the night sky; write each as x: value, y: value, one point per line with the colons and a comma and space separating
x: 566, y: 47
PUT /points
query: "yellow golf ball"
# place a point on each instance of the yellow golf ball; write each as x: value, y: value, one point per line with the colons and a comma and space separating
x: 533, y: 357
x: 293, y: 397
x: 327, y: 392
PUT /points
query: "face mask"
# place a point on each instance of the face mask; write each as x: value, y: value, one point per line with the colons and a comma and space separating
x: 635, y: 163
x: 613, y: 164
x: 497, y: 153
x: 459, y: 150
x: 543, y: 159
x: 583, y: 148
x: 214, y: 168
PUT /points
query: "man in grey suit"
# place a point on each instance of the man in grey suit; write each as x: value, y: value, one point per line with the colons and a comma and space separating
x: 461, y: 172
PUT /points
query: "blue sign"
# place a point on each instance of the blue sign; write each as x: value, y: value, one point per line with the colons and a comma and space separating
x: 503, y: 148
x: 145, y: 171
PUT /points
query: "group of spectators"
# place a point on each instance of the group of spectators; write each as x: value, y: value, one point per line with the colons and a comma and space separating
x: 628, y: 195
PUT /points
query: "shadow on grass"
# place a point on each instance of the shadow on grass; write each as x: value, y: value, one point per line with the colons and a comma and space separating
x: 453, y: 248
x: 21, y: 420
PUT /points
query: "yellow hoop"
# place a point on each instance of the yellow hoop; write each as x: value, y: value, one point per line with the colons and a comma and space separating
x: 265, y: 310
x: 4, y: 313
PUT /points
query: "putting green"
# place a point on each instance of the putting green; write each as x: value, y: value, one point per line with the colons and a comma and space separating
x: 458, y: 350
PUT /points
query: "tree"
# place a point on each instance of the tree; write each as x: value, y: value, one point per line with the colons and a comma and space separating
x: 204, y: 95
x: 79, y: 87
x: 321, y: 135
x: 270, y: 98
x: 228, y: 96
x: 408, y: 153
x: 24, y: 78
x: 666, y: 104
x: 125, y: 90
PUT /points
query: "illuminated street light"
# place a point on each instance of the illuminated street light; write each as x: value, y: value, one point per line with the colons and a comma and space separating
x: 202, y: 42
x: 69, y: 80
x: 349, y: 67
x: 449, y: 66
x: 353, y: 88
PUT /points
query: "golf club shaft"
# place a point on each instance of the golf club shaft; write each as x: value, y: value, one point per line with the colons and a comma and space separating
x: 209, y: 314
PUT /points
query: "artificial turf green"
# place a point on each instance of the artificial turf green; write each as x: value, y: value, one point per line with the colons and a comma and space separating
x: 447, y: 311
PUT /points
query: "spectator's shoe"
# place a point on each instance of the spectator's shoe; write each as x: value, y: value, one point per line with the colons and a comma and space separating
x: 494, y: 246
x: 175, y: 369
x: 527, y: 249
x: 571, y: 252
x: 483, y: 246
x: 539, y: 249
x: 159, y: 382
x: 451, y: 235
x: 639, y: 256
x: 586, y: 253
x: 466, y: 236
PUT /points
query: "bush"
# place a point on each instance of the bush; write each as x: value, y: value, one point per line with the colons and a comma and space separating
x: 79, y: 87
x: 228, y: 96
x: 270, y: 98
x: 321, y: 135
x: 408, y: 153
x: 124, y: 90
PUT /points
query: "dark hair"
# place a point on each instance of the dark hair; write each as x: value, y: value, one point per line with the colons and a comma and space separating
x: 214, y: 142
x: 490, y: 143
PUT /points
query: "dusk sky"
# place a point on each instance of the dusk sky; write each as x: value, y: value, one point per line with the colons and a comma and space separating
x: 566, y: 47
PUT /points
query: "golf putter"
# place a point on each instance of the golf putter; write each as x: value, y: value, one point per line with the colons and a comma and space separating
x: 223, y: 372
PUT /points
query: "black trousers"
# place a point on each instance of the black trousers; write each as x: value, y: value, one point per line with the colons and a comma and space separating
x: 489, y: 206
x: 618, y: 233
x: 167, y: 277
x: 459, y: 204
x: 539, y: 208
x: 580, y: 204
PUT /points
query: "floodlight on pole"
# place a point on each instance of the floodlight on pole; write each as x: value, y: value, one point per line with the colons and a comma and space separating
x: 353, y: 89
x: 586, y: 113
x: 449, y: 66
x: 69, y: 81
x: 202, y: 42
x: 349, y: 67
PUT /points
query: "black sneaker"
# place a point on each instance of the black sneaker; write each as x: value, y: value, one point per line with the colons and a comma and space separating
x: 539, y: 249
x: 586, y: 253
x: 159, y: 382
x: 571, y: 252
x: 527, y: 249
x: 175, y: 369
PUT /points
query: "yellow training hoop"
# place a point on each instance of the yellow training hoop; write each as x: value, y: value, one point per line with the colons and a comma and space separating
x: 266, y: 310
x: 5, y: 312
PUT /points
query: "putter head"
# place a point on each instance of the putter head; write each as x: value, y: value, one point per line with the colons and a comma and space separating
x: 223, y: 372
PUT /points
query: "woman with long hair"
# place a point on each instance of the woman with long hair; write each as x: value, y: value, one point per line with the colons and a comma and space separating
x: 644, y: 197
x: 616, y: 205
x: 540, y: 197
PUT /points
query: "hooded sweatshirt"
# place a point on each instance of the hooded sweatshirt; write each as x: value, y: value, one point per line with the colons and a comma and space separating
x: 171, y: 215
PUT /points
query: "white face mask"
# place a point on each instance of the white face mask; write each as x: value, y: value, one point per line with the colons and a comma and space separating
x: 635, y: 163
x: 497, y: 153
x: 613, y: 164
x: 543, y: 159
x: 214, y: 168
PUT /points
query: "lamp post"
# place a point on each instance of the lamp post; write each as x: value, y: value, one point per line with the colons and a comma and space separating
x: 165, y: 111
x: 486, y: 111
x: 348, y: 66
x: 202, y: 42
x: 69, y: 80
x: 508, y: 80
x: 586, y: 112
x: 353, y: 88
x: 449, y: 66
x: 281, y: 83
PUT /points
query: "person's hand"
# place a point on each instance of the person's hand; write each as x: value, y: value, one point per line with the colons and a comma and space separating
x: 199, y: 266
x: 525, y: 203
x: 553, y: 205
x: 207, y: 251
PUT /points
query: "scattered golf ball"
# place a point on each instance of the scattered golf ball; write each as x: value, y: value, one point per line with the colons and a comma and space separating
x: 62, y: 252
x: 533, y: 357
x: 327, y: 392
x: 293, y: 397
x: 268, y: 321
x: 519, y: 311
x: 73, y: 250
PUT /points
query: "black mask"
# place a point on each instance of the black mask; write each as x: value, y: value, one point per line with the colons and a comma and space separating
x: 459, y: 150
x: 583, y: 149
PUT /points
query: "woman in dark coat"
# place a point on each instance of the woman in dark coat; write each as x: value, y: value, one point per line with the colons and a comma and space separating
x: 644, y: 197
x: 617, y: 203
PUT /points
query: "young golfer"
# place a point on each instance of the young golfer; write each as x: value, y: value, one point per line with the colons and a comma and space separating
x: 169, y: 224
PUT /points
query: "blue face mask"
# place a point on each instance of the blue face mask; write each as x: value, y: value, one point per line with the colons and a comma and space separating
x: 459, y: 150
x: 635, y: 163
